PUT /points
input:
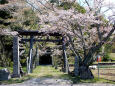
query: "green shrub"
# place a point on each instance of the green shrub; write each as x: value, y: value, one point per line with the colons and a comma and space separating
x: 107, y: 50
x: 79, y: 8
x: 68, y: 5
x: 106, y: 57
x: 3, y: 1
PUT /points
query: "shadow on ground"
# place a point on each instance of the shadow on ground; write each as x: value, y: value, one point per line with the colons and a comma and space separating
x: 48, y: 73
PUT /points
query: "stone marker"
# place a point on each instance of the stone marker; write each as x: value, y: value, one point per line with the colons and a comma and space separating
x: 16, y: 65
x: 4, y: 74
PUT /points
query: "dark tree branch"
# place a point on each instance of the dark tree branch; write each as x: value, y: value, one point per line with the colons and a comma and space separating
x: 34, y: 7
x: 73, y: 48
x: 99, y: 33
x: 44, y: 5
x: 88, y: 5
x: 83, y: 41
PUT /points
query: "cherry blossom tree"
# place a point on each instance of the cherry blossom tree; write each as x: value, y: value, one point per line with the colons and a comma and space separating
x: 85, y: 32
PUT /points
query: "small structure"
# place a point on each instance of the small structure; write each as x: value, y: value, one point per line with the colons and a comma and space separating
x: 4, y: 74
x: 45, y: 59
x: 32, y: 37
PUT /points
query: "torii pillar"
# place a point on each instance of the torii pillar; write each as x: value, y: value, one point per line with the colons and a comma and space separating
x: 30, y: 64
x: 66, y: 66
x: 37, y: 52
x: 16, y: 62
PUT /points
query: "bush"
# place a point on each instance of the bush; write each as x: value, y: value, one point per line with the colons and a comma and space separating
x: 107, y: 51
x: 3, y: 1
x: 106, y: 57
x: 67, y: 5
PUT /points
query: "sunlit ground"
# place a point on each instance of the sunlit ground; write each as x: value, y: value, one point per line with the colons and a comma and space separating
x: 51, y: 72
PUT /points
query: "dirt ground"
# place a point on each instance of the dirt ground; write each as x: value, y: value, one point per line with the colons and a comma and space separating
x: 106, y: 73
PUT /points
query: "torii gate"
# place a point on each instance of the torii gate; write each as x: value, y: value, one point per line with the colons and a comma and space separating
x: 31, y: 34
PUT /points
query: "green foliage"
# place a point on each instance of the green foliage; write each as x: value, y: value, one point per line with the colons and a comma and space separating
x: 112, y: 56
x: 25, y: 18
x: 16, y: 26
x: 30, y: 19
x: 3, y: 1
x: 5, y: 51
x: 5, y: 14
x: 5, y: 17
x: 54, y: 1
x: 79, y: 8
x: 23, y: 62
x: 107, y: 50
x: 106, y: 57
x: 68, y: 5
x: 102, y: 18
x: 7, y: 40
x: 57, y: 61
x: 27, y: 22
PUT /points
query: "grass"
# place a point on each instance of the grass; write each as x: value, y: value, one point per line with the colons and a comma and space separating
x: 107, y: 66
x: 15, y: 80
x: 112, y: 56
x: 46, y: 71
x: 102, y: 62
x: 50, y: 72
x: 106, y: 73
x: 104, y: 76
x: 9, y: 68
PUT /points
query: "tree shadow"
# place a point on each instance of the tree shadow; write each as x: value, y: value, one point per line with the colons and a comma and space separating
x: 76, y: 80
x: 16, y: 80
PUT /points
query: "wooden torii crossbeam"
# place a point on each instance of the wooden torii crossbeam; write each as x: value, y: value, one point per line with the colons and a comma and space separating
x: 16, y: 66
x: 37, y: 33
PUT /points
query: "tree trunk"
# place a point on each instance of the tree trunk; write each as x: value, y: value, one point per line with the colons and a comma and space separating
x: 81, y: 70
x: 85, y: 72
